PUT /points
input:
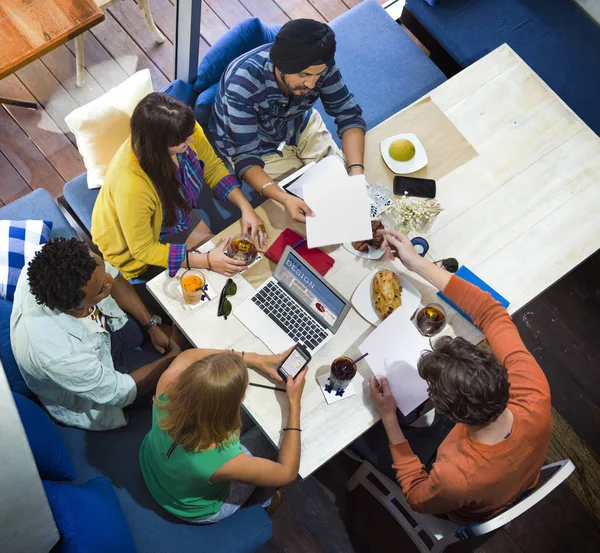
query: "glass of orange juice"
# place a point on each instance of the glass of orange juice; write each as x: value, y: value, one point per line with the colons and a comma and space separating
x: 192, y: 285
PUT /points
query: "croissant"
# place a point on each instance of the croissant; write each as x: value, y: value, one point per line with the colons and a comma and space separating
x: 386, y: 293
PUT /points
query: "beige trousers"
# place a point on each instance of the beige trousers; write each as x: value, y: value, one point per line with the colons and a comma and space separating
x: 315, y: 143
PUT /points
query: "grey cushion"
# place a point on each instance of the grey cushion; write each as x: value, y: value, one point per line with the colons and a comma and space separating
x: 39, y: 204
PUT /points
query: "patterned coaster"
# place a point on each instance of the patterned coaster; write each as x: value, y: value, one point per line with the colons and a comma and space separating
x: 331, y: 397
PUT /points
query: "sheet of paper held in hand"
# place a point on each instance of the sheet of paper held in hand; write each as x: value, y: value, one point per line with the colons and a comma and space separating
x: 340, y: 203
x: 394, y: 348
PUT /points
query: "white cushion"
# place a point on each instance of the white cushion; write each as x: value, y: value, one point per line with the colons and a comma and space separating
x: 101, y: 126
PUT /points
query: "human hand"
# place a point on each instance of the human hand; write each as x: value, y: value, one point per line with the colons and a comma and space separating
x: 297, y: 208
x: 161, y: 341
x: 398, y: 245
x: 252, y: 224
x: 382, y: 397
x: 268, y: 364
x: 295, y: 387
x: 224, y: 265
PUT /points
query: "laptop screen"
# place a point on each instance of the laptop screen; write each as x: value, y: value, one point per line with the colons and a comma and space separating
x: 310, y: 290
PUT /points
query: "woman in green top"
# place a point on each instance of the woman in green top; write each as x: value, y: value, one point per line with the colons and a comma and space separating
x: 192, y: 460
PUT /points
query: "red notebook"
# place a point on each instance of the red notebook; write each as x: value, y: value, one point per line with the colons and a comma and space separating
x: 317, y: 258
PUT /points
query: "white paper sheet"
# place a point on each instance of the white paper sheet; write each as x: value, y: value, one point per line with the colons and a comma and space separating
x: 394, y: 348
x: 330, y: 171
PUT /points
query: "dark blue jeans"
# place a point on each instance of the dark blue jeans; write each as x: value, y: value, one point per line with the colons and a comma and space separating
x: 128, y: 350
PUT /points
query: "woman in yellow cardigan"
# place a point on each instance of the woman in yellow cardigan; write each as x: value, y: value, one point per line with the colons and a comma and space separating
x: 151, y: 187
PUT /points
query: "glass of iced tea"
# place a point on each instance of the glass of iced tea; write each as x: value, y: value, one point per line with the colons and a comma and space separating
x: 192, y: 285
x: 243, y: 248
x: 431, y: 319
x: 343, y: 370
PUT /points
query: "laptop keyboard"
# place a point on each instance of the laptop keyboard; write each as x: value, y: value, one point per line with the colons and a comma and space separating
x: 289, y: 316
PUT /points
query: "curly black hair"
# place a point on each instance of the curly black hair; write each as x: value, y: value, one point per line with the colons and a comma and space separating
x: 466, y: 383
x: 59, y: 271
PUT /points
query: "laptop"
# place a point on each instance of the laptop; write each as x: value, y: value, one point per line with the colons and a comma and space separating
x: 295, y: 305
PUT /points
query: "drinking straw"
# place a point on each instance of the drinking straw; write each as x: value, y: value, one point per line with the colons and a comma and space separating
x: 360, y: 358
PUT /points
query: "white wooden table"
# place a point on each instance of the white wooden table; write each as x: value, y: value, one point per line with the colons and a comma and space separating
x: 521, y: 214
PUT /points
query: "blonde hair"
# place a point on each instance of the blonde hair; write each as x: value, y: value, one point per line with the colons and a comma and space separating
x: 204, y: 404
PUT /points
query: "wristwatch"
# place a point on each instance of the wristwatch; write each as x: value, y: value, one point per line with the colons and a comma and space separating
x: 155, y: 320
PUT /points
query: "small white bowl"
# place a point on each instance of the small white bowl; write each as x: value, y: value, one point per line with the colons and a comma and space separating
x: 404, y: 167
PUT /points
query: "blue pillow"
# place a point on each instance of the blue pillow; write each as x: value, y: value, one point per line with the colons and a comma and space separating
x: 245, y: 36
x: 432, y: 2
x: 13, y: 374
x: 204, y: 104
x: 18, y: 242
x: 89, y: 518
x: 49, y: 451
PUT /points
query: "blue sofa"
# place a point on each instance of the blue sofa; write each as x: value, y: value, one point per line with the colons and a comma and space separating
x: 114, y: 455
x: 556, y: 38
x: 382, y: 66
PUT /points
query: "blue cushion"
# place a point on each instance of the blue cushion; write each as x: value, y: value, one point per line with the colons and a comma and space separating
x: 204, y: 104
x: 556, y: 39
x: 18, y: 242
x: 81, y: 199
x: 242, y: 38
x: 9, y: 364
x: 154, y: 530
x: 89, y: 518
x: 182, y: 91
x: 381, y: 65
x: 39, y: 205
x: 49, y: 451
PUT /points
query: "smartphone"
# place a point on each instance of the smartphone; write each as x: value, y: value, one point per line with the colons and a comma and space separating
x: 294, y: 362
x: 411, y: 186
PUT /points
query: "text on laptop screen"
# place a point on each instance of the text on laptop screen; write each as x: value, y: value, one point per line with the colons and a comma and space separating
x: 311, y: 291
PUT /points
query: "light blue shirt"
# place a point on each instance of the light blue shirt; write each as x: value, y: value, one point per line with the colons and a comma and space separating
x: 67, y: 361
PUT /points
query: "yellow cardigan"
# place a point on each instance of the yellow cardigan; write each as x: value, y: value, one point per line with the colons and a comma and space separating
x: 128, y: 213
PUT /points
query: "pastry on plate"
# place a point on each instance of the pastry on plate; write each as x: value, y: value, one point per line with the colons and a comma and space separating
x: 363, y: 245
x: 386, y: 293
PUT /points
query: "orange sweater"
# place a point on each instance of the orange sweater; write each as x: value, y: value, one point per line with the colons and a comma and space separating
x: 472, y: 481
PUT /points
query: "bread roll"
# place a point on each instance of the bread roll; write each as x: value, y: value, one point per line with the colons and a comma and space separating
x: 387, y: 293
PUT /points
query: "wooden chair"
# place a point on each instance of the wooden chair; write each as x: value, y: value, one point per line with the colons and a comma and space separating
x: 432, y: 534
x: 143, y: 5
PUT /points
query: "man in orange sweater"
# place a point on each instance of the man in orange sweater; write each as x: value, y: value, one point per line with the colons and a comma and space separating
x: 500, y: 403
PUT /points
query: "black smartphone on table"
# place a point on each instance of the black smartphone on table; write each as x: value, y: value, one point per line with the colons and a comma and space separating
x: 294, y: 362
x: 412, y: 186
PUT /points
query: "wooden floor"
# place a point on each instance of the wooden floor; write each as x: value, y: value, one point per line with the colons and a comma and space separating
x: 37, y: 151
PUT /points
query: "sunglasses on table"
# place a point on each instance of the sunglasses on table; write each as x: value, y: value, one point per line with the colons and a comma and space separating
x: 230, y: 289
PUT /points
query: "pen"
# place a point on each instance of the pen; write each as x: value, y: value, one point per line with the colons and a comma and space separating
x: 299, y: 244
x: 267, y: 387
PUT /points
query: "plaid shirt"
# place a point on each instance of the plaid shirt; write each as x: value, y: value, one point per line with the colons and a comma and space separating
x: 191, y: 176
x: 251, y: 116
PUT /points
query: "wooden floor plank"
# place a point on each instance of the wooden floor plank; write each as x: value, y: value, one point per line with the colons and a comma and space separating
x: 297, y: 9
x: 212, y: 27
x: 125, y: 51
x: 49, y: 92
x: 12, y: 185
x: 29, y: 162
x: 290, y: 535
x: 267, y: 10
x: 163, y: 13
x: 62, y: 64
x: 329, y: 9
x: 99, y: 63
x: 231, y: 12
x: 43, y: 131
x: 131, y: 20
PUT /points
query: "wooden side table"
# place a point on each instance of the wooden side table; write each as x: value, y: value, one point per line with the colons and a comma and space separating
x: 143, y: 5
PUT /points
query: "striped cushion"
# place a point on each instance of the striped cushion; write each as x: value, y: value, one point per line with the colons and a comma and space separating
x: 19, y: 241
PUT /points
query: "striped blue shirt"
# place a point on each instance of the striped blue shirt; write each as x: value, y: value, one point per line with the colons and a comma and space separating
x: 251, y: 116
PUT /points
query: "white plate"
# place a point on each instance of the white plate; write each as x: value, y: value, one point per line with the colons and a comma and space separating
x: 404, y: 167
x: 373, y: 253
x: 362, y: 298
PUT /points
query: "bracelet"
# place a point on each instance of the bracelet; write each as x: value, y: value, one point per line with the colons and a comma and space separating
x: 298, y: 429
x: 187, y: 258
x: 208, y: 261
x: 264, y: 186
x: 355, y: 165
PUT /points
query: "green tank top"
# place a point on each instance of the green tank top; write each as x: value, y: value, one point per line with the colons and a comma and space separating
x: 180, y: 483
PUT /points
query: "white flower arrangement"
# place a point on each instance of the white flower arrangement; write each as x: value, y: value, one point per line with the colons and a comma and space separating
x: 414, y: 214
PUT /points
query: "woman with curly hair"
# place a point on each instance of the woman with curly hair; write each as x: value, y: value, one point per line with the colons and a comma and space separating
x: 193, y: 460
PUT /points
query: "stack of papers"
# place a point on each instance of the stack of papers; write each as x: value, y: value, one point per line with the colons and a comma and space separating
x: 394, y: 348
x: 340, y: 203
